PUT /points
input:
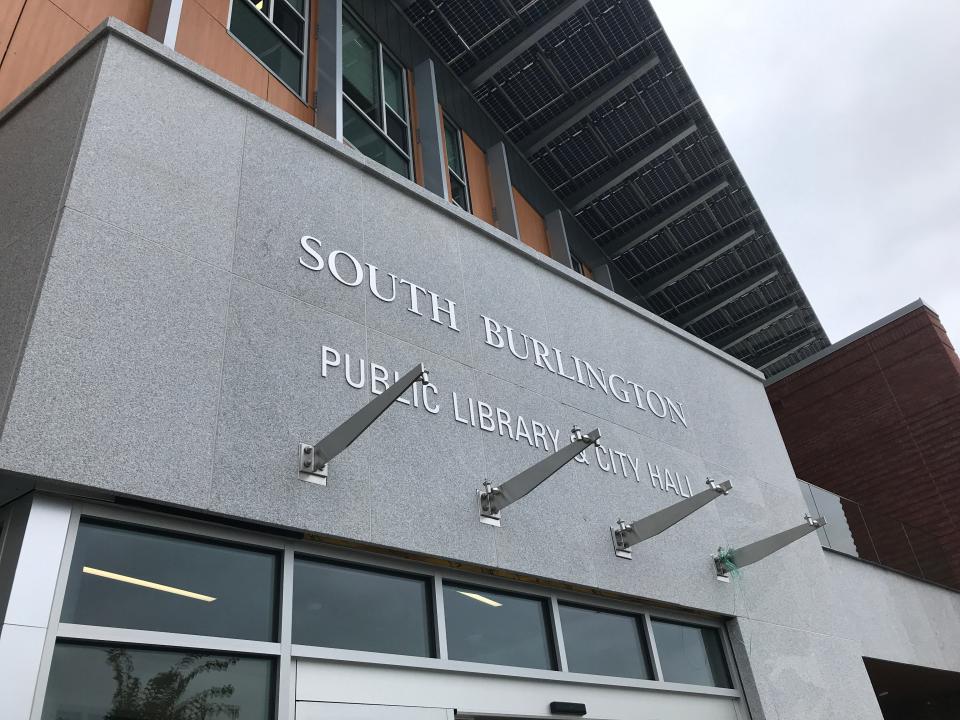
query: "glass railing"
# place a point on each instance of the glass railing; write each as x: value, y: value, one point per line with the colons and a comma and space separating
x: 859, y: 531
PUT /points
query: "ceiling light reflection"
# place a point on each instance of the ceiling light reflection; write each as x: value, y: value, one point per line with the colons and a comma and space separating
x: 480, y: 598
x: 146, y: 583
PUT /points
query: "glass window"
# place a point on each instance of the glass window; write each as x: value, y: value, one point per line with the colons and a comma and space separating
x: 274, y: 31
x: 456, y: 167
x: 499, y: 628
x: 581, y: 267
x: 365, y: 138
x: 361, y: 81
x: 131, y: 578
x: 375, y: 114
x: 355, y: 608
x: 91, y: 682
x: 690, y: 654
x: 604, y: 643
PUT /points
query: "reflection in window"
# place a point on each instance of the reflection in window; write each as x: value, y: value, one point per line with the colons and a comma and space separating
x: 580, y: 266
x: 499, y: 628
x: 89, y: 682
x: 690, y: 654
x: 359, y: 609
x: 456, y: 167
x: 131, y: 578
x: 274, y: 31
x: 375, y: 122
x: 604, y: 643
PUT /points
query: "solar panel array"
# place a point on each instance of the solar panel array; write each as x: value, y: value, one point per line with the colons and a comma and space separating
x: 604, y: 111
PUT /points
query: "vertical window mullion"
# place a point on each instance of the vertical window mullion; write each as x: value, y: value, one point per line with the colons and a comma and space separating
x: 285, y: 684
x: 558, y: 645
x: 440, y: 620
x: 652, y: 644
x: 383, y: 95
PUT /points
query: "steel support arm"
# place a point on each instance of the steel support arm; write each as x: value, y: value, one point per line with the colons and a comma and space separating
x: 314, y: 458
x: 754, y: 552
x: 494, y: 499
x: 624, y: 535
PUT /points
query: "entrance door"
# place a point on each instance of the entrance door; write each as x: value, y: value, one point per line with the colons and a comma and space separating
x: 351, y: 711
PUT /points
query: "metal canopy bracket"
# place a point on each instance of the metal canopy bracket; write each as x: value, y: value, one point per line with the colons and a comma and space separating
x: 754, y: 552
x: 491, y: 500
x: 625, y: 535
x: 314, y: 459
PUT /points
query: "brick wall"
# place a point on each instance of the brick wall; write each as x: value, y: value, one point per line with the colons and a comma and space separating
x: 878, y: 421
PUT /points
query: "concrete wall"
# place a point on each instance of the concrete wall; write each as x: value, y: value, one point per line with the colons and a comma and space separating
x: 894, y: 617
x: 176, y: 355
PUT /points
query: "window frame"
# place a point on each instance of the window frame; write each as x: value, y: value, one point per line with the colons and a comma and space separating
x: 196, y: 537
x: 451, y: 174
x: 303, y: 52
x: 550, y: 620
x: 426, y: 579
x: 382, y: 52
x: 644, y: 627
x: 286, y: 654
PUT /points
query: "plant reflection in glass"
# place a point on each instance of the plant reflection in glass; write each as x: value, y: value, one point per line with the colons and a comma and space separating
x: 164, y: 696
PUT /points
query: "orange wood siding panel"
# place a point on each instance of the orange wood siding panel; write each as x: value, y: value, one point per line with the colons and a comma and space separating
x: 533, y: 230
x: 91, y: 13
x: 42, y: 36
x: 478, y: 179
x: 9, y: 15
x: 219, y: 9
x: 203, y: 39
x: 278, y: 94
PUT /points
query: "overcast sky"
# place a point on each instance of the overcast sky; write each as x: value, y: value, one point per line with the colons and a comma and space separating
x: 844, y: 118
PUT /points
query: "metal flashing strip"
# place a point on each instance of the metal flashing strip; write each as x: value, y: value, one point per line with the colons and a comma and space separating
x: 863, y: 332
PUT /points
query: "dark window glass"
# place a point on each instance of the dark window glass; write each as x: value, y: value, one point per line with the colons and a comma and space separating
x: 359, y: 133
x: 577, y: 264
x: 493, y: 627
x: 289, y: 23
x: 361, y: 81
x: 297, y: 5
x: 90, y: 682
x: 454, y: 156
x: 604, y: 643
x: 122, y: 577
x: 689, y: 654
x: 255, y: 31
x: 358, y: 609
x: 458, y: 191
x: 396, y: 130
x: 393, y: 87
x: 455, y: 164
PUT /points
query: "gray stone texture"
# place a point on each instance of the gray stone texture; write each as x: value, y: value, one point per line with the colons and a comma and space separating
x: 176, y: 354
x: 31, y: 191
x: 120, y: 379
x: 160, y: 158
x: 284, y: 196
x: 918, y: 622
x: 22, y: 262
x: 32, y: 182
